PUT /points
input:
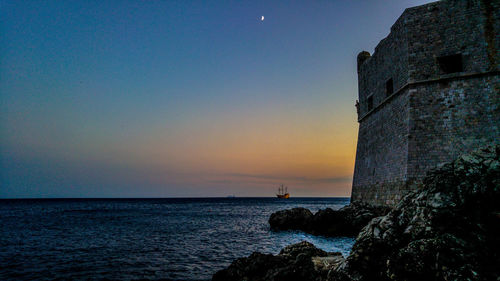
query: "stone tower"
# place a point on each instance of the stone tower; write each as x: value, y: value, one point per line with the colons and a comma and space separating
x: 429, y: 92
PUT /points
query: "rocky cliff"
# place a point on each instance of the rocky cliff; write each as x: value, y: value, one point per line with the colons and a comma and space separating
x: 347, y: 221
x: 449, y: 229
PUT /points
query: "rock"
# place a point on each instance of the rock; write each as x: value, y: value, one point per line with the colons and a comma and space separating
x: 327, y: 263
x: 447, y: 230
x: 293, y: 219
x: 304, y: 247
x: 347, y: 221
x: 300, y: 262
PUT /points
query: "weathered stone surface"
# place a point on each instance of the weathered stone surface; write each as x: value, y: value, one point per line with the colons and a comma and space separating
x: 447, y: 230
x: 298, y: 262
x: 347, y: 221
x: 293, y: 219
x: 328, y: 263
x: 431, y: 116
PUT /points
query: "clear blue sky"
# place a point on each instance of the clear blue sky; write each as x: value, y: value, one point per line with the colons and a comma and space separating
x: 182, y: 98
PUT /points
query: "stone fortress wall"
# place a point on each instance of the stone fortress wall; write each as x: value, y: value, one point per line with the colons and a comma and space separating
x: 429, y: 92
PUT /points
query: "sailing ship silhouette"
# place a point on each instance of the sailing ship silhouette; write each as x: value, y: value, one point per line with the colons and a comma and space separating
x: 283, y: 192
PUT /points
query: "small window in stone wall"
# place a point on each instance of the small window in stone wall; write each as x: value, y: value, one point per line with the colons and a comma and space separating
x: 369, y: 103
x: 389, y: 87
x: 450, y: 64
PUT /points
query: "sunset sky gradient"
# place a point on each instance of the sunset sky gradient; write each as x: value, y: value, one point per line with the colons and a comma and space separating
x: 182, y: 98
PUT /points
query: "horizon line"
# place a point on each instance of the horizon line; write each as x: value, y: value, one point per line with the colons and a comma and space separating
x: 204, y: 197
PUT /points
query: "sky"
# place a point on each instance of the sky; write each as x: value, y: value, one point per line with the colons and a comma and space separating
x: 182, y: 98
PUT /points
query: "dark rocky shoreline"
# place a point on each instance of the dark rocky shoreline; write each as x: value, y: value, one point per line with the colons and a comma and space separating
x: 448, y: 229
x: 347, y: 221
x: 301, y: 261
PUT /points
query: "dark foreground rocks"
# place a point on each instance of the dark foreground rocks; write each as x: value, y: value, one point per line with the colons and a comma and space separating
x: 298, y: 262
x: 448, y: 230
x: 347, y: 221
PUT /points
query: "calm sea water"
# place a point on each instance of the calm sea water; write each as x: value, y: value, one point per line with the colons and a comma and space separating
x: 130, y: 239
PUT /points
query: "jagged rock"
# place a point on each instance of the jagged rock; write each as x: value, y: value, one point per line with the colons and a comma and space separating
x: 298, y: 262
x: 328, y: 263
x: 347, y: 221
x: 304, y: 247
x: 293, y: 219
x: 448, y: 230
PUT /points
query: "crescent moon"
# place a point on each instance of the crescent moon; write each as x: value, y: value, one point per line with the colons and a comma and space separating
x: 262, y: 18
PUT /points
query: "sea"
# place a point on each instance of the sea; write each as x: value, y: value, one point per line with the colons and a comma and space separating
x: 144, y: 239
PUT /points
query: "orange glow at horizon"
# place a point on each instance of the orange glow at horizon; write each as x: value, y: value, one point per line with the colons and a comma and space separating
x: 258, y: 152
